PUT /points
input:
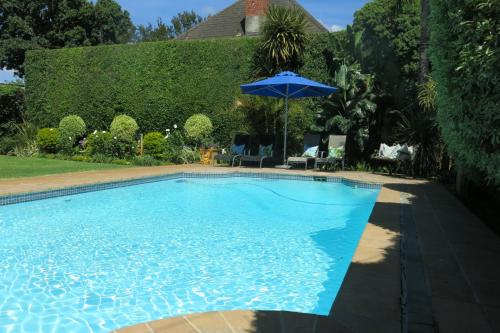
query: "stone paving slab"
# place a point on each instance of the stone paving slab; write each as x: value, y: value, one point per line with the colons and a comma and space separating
x: 461, y: 258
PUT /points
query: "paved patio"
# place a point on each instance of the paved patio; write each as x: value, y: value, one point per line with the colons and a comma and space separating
x: 440, y: 276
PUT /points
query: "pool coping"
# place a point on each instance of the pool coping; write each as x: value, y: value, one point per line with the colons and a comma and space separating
x: 16, y: 198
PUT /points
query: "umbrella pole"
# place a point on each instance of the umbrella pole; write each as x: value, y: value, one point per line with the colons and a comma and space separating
x: 286, y: 126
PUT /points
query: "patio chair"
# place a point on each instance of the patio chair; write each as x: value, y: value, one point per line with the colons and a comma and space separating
x: 266, y: 152
x: 395, y: 156
x: 335, y: 153
x: 311, y: 151
x: 239, y: 147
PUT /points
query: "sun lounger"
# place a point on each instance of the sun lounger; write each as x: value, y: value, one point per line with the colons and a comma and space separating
x: 265, y: 153
x: 239, y: 147
x: 394, y: 156
x: 311, y: 151
x: 335, y: 153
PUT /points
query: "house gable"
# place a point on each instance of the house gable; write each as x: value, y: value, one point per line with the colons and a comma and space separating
x: 243, y: 18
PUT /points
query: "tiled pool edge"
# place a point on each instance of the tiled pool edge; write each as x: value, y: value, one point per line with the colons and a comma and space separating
x: 11, y: 199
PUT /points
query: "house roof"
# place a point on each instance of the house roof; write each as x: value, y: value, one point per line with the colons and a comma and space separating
x: 230, y: 22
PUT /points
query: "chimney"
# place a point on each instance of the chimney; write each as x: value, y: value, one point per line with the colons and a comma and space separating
x: 255, y: 16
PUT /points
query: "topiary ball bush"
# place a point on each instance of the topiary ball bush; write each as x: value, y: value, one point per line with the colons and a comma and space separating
x: 124, y: 128
x: 47, y: 140
x: 72, y: 126
x: 154, y: 144
x: 198, y: 127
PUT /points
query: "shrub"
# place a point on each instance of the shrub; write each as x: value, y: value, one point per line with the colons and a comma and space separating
x: 47, y: 140
x: 104, y: 143
x: 154, y: 144
x: 124, y: 127
x: 122, y: 148
x: 198, y: 128
x: 188, y: 155
x: 101, y: 158
x: 12, y: 107
x: 145, y: 161
x: 7, y: 145
x: 29, y: 149
x: 100, y: 143
x: 71, y: 128
x: 81, y: 158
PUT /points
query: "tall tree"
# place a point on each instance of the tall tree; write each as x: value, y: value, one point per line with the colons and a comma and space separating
x: 184, y: 21
x: 384, y: 39
x: 111, y: 24
x: 150, y: 33
x: 33, y: 24
x: 425, y: 35
x: 179, y: 24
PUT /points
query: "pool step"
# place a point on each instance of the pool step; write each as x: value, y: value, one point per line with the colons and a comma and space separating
x: 319, y: 179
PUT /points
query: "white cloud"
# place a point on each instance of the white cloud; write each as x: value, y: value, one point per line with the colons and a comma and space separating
x: 7, y: 76
x: 336, y: 27
x: 332, y: 28
x: 209, y: 10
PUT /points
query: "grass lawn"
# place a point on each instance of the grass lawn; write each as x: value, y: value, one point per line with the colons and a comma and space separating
x: 14, y: 167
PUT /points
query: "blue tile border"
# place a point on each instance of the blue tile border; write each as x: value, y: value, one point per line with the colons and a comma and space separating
x: 72, y: 190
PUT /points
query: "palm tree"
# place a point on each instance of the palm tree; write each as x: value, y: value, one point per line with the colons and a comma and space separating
x: 349, y: 111
x: 284, y: 35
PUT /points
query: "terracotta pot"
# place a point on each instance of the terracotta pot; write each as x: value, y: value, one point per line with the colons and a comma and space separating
x: 207, y: 155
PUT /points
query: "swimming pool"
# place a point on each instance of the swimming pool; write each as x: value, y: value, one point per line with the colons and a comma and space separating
x: 97, y: 261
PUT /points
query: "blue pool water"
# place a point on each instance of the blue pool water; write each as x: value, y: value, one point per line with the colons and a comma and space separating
x: 102, y: 260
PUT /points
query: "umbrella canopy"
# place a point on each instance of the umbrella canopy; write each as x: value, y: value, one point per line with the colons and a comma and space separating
x: 287, y: 85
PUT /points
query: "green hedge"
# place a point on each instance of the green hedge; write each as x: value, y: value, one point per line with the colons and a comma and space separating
x: 158, y: 84
x: 466, y: 67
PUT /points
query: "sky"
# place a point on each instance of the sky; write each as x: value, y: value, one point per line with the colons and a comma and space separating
x: 334, y: 14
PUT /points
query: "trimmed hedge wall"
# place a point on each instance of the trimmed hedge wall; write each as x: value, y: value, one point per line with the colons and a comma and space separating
x: 466, y: 66
x: 158, y: 84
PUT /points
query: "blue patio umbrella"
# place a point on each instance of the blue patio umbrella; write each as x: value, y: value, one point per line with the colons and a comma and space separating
x: 287, y: 85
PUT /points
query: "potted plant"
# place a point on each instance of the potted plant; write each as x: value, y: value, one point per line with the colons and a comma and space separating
x: 199, y: 129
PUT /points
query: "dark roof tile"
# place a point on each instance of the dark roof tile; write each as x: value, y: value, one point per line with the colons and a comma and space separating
x: 230, y: 22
